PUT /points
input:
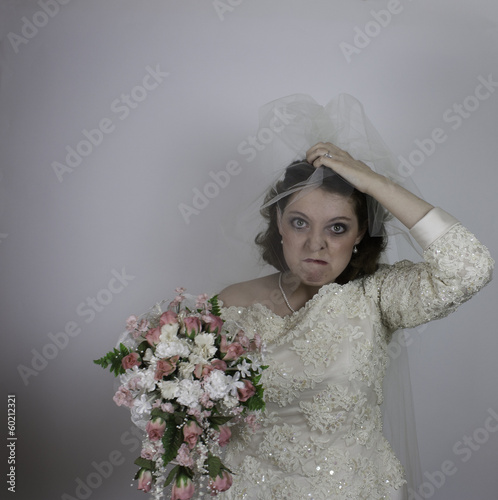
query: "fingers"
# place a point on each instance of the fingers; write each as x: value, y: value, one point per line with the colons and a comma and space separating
x: 324, y: 153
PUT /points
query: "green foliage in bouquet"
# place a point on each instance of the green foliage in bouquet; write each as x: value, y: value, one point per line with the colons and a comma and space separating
x: 115, y: 359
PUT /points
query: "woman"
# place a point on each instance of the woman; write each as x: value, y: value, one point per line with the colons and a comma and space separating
x: 327, y: 317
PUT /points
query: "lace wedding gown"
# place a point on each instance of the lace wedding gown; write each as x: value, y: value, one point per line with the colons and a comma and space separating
x: 321, y: 433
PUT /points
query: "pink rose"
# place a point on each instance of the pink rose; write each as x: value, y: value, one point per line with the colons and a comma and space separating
x: 168, y: 318
x: 152, y: 336
x: 183, y: 488
x: 205, y: 370
x: 225, y: 435
x: 144, y: 480
x: 247, y: 391
x: 213, y: 323
x: 155, y: 428
x: 192, y: 326
x: 231, y: 351
x: 222, y: 482
x: 131, y: 360
x: 235, y: 351
x: 191, y: 433
x: 165, y: 367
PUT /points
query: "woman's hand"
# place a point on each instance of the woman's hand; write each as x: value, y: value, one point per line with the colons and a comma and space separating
x: 357, y: 173
x: 405, y: 206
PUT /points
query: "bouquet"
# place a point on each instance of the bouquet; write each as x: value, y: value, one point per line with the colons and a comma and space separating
x: 187, y: 377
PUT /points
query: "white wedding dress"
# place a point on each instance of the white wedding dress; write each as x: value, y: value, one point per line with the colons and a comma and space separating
x: 321, y: 433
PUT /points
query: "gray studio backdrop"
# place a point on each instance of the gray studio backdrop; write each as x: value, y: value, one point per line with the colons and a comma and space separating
x: 116, y: 119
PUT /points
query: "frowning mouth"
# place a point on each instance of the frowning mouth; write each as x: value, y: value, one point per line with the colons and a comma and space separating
x: 316, y: 261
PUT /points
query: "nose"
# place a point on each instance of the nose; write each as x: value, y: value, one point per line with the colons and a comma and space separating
x: 316, y: 241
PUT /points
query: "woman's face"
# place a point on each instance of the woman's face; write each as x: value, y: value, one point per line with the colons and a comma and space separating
x: 319, y: 230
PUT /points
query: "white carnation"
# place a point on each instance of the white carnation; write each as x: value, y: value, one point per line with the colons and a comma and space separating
x: 148, y: 382
x: 189, y: 393
x: 174, y: 348
x: 186, y: 369
x: 149, y: 355
x: 217, y: 385
x: 204, y: 346
x: 230, y: 402
x: 169, y: 389
x: 168, y: 332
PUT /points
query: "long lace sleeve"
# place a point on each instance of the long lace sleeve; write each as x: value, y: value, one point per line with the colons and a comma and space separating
x: 456, y: 267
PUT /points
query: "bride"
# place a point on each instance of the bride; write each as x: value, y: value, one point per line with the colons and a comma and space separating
x: 327, y: 316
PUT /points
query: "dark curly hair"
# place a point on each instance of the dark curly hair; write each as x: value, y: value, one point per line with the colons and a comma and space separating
x: 363, y: 263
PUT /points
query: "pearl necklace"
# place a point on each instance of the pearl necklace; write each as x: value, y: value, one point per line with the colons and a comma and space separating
x: 283, y: 293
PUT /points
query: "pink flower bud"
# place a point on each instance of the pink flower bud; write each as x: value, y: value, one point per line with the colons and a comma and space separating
x: 231, y: 351
x: 145, y: 480
x: 225, y: 435
x: 165, y: 367
x: 222, y: 482
x: 152, y: 336
x: 168, y: 318
x: 247, y: 391
x: 183, y: 488
x: 192, y: 326
x: 191, y: 433
x: 131, y: 360
x: 213, y: 324
x: 155, y: 428
x: 234, y: 351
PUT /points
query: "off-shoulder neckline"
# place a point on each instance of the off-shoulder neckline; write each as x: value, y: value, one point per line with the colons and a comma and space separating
x: 322, y: 291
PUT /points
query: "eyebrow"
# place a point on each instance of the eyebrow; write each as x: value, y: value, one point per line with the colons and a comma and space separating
x: 334, y: 219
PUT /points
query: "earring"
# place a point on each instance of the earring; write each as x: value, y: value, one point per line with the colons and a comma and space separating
x: 281, y: 242
x: 355, y: 250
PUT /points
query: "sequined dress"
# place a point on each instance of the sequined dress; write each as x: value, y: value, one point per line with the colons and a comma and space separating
x: 321, y: 434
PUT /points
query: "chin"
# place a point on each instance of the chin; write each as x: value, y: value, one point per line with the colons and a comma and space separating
x: 317, y: 280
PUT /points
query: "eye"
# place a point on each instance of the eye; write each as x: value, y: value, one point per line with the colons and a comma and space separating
x: 298, y: 223
x: 338, y: 228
